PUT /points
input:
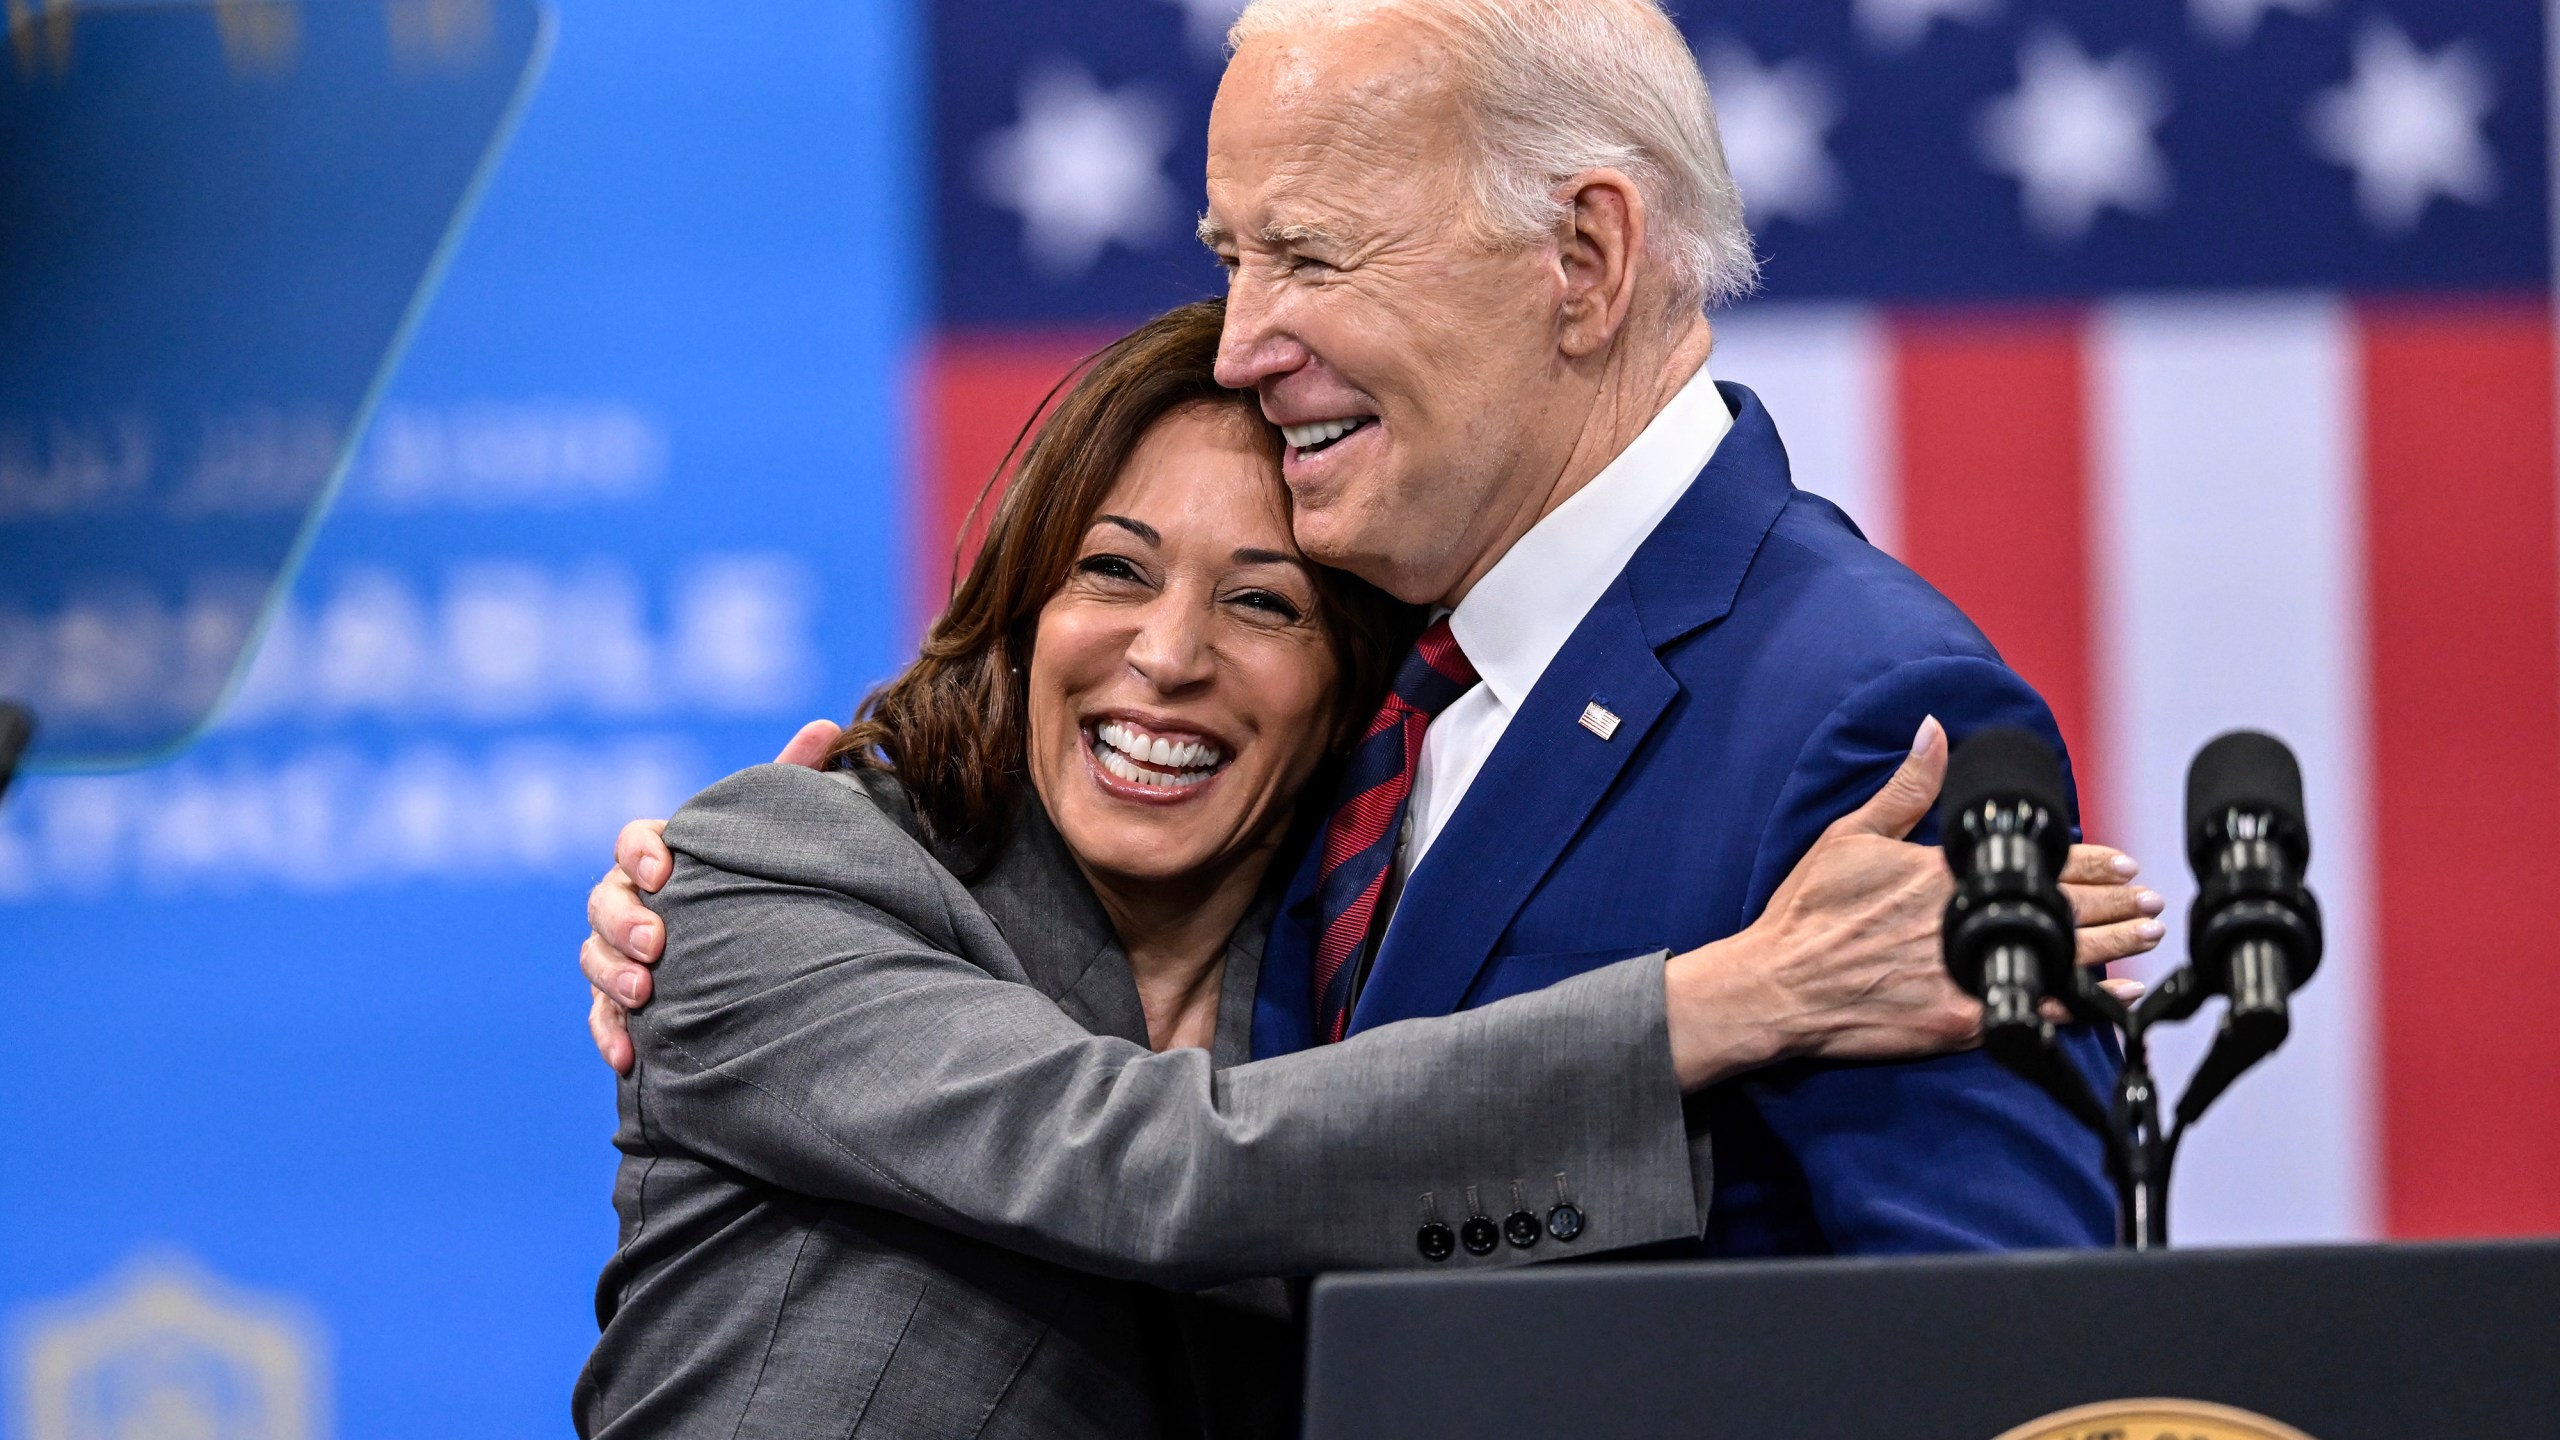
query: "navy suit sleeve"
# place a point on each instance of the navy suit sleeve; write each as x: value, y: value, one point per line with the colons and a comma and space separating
x: 1952, y: 1153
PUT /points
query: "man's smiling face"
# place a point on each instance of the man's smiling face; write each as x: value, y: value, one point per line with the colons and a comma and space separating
x: 1412, y: 363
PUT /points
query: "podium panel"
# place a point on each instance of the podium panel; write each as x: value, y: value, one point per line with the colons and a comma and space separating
x: 2339, y: 1343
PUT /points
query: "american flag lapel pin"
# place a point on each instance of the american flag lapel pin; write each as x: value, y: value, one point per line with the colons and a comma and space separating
x: 1599, y: 719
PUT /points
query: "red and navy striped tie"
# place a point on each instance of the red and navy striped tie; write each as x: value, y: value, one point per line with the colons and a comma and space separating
x: 1360, y: 839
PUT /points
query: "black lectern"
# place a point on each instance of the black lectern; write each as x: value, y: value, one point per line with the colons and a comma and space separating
x: 2395, y: 1342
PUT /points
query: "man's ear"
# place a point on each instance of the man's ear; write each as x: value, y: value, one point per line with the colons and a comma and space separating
x: 1602, y: 239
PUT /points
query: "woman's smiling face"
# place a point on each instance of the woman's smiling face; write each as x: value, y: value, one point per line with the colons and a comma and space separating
x: 1182, y: 683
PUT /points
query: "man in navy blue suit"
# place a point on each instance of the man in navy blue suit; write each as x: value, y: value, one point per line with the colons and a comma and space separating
x: 1471, y: 244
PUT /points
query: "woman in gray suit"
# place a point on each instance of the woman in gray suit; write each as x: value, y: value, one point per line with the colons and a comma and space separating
x: 940, y: 1118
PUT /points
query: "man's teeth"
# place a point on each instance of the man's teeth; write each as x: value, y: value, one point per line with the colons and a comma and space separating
x: 1321, y: 433
x: 1154, y: 760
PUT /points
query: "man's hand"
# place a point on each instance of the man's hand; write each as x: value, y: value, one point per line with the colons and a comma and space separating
x: 624, y: 937
x: 1844, y: 963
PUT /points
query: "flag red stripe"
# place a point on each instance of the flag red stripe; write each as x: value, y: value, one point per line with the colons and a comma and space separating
x: 1991, y: 415
x: 976, y: 394
x: 2462, y: 545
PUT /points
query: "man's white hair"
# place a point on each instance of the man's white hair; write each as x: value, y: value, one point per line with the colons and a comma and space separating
x: 1561, y: 87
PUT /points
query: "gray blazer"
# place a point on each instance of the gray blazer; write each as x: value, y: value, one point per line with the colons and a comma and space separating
x: 897, y: 1160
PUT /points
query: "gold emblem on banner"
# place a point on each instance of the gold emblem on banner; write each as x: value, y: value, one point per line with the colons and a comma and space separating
x: 2155, y: 1420
x: 162, y: 1351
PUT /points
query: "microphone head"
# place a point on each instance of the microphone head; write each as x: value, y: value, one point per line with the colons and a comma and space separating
x: 2005, y: 765
x: 2245, y: 770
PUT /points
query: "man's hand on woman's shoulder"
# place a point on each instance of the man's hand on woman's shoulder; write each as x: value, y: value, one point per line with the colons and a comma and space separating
x: 624, y: 937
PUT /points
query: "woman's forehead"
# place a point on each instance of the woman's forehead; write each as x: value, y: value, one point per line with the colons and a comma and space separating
x: 1204, y: 472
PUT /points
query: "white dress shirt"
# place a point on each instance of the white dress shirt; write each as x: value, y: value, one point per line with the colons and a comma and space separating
x: 1520, y: 614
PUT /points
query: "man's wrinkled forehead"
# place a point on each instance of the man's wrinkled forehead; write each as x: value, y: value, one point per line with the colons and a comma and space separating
x: 1310, y: 126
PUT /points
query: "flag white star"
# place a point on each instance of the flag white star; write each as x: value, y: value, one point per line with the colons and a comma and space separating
x: 1207, y: 23
x: 1774, y: 120
x: 1084, y: 168
x: 1901, y: 24
x: 2233, y: 21
x: 2408, y: 124
x: 2077, y: 136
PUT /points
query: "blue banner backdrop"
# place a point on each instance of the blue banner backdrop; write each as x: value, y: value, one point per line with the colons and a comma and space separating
x: 294, y: 1029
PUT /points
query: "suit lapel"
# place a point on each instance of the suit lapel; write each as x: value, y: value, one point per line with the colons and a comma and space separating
x: 1527, y: 803
x: 1058, y: 930
x: 1548, y: 774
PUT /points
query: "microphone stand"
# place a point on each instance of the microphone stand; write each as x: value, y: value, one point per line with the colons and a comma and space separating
x: 2147, y: 1151
x: 2253, y: 935
x: 2023, y: 1044
x: 2142, y: 1150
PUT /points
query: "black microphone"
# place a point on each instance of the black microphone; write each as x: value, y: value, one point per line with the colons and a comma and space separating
x: 2255, y: 928
x: 2009, y: 933
x: 2254, y: 933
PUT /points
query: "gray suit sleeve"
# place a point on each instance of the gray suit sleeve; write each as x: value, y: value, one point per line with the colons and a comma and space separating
x: 835, y: 1016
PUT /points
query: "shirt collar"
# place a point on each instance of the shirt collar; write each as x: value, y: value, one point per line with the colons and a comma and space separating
x: 1520, y: 614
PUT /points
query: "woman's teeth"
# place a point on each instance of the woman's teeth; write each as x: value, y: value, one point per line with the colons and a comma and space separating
x: 1311, y: 438
x: 1153, y: 760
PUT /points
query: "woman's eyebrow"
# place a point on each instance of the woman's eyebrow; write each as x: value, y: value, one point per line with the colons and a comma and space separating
x: 1267, y: 557
x: 1138, y: 528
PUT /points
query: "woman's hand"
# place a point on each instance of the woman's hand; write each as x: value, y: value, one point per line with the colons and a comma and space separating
x: 624, y: 937
x: 1844, y: 963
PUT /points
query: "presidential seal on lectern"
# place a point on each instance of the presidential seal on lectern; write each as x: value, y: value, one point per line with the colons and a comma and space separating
x: 2155, y: 1420
x: 162, y: 1348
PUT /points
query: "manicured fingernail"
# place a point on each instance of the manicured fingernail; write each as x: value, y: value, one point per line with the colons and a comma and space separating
x: 643, y: 937
x: 628, y: 987
x: 2151, y: 930
x: 649, y: 874
x: 2150, y: 902
x: 2126, y: 866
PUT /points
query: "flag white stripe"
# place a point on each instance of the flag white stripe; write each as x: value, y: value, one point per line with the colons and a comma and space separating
x: 2230, y: 593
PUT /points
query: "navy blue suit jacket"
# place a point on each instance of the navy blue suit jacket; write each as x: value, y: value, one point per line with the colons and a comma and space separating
x: 1769, y: 668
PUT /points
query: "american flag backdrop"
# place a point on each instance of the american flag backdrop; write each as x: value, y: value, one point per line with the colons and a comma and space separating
x: 2201, y: 349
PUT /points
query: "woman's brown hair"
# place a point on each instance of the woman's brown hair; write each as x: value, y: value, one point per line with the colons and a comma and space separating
x: 951, y: 726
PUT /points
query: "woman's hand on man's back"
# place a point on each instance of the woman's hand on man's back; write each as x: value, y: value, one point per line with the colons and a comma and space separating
x: 1844, y: 963
x: 624, y: 937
